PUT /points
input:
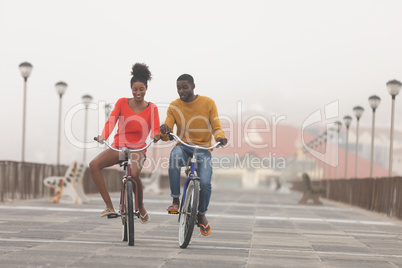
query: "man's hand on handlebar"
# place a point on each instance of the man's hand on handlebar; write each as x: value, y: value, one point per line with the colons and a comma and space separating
x: 165, y: 129
x: 223, y: 141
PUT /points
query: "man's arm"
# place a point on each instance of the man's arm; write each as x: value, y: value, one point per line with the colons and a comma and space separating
x: 217, y: 131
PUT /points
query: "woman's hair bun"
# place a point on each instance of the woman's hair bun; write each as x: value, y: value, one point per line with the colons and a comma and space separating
x: 140, y: 72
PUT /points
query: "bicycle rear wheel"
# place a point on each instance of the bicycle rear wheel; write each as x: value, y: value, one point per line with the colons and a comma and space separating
x: 129, y: 210
x: 188, y: 212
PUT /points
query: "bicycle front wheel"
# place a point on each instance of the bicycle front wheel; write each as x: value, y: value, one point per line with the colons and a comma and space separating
x: 129, y: 210
x: 188, y: 212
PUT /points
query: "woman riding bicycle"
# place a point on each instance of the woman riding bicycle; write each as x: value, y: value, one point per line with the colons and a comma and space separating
x: 137, y: 119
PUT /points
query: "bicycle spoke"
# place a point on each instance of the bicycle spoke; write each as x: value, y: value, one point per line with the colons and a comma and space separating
x: 188, y: 213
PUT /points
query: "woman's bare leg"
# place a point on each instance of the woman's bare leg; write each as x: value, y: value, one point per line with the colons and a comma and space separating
x: 106, y: 158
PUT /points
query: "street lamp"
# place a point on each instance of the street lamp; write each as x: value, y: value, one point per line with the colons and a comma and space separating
x: 304, y: 163
x: 329, y: 157
x: 394, y: 86
x: 317, y: 143
x: 61, y: 87
x: 347, y: 120
x: 108, y: 109
x: 310, y: 166
x: 86, y: 99
x: 374, y: 102
x: 25, y: 69
x: 358, y: 110
x: 324, y: 146
x: 338, y: 126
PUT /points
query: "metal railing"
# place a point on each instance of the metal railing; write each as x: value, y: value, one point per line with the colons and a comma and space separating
x: 25, y: 180
x: 383, y: 195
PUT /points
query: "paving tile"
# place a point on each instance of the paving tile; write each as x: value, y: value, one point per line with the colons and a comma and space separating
x: 251, y: 228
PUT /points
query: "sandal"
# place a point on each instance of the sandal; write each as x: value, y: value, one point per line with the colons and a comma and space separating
x: 203, y: 229
x: 144, y: 219
x: 173, y: 208
x: 107, y: 212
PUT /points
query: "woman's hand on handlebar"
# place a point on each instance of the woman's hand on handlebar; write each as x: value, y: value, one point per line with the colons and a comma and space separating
x: 223, y: 141
x: 156, y: 138
x: 100, y: 139
x: 165, y: 129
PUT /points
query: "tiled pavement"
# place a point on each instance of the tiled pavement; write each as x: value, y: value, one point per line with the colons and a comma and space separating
x: 250, y: 228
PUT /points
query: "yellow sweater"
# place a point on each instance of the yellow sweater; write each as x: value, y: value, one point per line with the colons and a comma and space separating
x: 196, y: 121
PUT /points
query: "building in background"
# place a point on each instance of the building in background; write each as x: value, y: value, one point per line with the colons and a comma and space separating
x: 261, y: 150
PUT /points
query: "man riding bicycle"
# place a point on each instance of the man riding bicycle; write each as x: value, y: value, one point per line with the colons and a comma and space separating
x: 196, y: 119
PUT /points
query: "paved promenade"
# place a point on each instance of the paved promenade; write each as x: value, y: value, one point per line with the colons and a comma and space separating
x: 249, y: 229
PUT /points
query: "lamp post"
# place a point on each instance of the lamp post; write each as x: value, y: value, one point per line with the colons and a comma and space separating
x: 108, y: 109
x: 328, y: 164
x: 347, y: 120
x: 317, y: 164
x: 394, y: 87
x: 330, y: 133
x: 310, y: 166
x: 86, y: 99
x: 338, y: 126
x: 25, y: 69
x: 358, y: 110
x: 324, y: 146
x: 304, y: 154
x: 314, y: 144
x: 61, y: 87
x: 374, y: 102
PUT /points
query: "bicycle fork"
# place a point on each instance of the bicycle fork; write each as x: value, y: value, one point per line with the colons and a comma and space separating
x: 189, y: 178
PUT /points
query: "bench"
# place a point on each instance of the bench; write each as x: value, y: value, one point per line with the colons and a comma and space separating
x: 310, y: 192
x: 68, y: 188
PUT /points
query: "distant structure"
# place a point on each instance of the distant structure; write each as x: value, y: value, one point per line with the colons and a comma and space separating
x: 261, y: 150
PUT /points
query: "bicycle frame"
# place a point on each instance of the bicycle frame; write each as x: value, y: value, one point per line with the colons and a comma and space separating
x: 193, y: 160
x: 127, y: 176
x: 191, y: 175
x: 128, y: 210
x: 127, y: 152
x: 190, y: 201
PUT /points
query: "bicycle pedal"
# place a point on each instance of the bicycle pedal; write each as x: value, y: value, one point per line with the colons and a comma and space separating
x: 113, y: 216
x: 173, y: 212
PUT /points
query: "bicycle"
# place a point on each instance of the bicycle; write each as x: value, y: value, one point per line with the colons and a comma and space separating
x: 188, y: 209
x: 127, y: 209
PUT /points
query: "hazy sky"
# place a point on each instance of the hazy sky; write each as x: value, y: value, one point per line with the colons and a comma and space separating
x: 287, y: 58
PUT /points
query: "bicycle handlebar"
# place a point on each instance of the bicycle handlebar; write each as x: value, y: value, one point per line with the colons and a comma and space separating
x: 192, y: 145
x: 125, y: 149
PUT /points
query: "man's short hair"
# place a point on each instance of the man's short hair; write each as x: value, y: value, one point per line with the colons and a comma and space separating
x: 186, y: 77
